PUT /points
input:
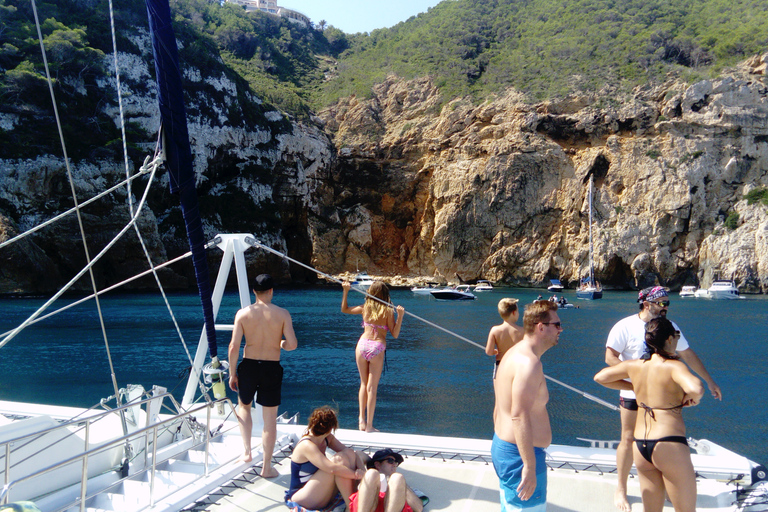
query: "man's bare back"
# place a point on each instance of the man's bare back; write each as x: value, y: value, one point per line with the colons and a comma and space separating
x: 504, y: 337
x: 264, y: 326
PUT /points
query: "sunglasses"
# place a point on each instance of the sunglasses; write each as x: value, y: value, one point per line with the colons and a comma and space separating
x: 558, y: 325
x: 662, y: 303
x: 390, y: 460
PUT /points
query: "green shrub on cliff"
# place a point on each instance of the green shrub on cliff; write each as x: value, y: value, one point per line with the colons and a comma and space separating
x: 759, y: 194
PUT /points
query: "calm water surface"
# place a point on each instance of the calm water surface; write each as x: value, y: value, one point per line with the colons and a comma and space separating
x: 434, y: 384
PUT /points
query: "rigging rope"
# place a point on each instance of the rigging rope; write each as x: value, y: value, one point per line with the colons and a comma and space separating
x: 89, y: 265
x: 255, y: 243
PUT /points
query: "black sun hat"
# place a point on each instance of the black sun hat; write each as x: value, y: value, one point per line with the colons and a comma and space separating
x: 384, y: 454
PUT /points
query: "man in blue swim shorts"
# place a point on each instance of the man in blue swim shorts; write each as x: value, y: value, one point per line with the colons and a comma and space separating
x: 521, y: 426
x: 267, y: 328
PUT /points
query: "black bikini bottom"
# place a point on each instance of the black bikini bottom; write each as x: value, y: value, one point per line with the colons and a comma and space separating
x: 646, y: 446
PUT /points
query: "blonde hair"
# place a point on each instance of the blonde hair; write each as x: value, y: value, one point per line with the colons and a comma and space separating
x: 506, y: 307
x: 373, y: 310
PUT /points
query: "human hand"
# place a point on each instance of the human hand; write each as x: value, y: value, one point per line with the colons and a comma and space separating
x: 400, y: 311
x: 715, y: 390
x: 689, y: 401
x: 345, y: 285
x: 359, y: 474
x: 233, y: 382
x: 527, y: 484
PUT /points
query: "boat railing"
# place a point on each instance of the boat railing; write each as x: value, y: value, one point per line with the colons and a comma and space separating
x: 143, y: 433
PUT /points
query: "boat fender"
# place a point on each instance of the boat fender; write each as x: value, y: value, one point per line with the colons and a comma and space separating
x: 214, y: 373
x: 759, y: 474
x: 124, y: 467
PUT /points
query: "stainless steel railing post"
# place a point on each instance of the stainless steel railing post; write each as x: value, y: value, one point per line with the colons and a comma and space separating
x: 84, y: 483
x: 154, y: 468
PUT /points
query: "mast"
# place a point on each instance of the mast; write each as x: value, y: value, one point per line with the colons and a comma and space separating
x: 591, y: 266
x: 177, y: 150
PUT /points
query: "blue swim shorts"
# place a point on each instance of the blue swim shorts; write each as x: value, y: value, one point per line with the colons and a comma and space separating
x: 509, y: 468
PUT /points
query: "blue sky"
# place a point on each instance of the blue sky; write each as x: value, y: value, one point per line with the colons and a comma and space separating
x: 354, y: 16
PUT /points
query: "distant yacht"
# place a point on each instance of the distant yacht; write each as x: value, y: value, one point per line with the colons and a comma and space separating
x: 688, y: 291
x: 362, y: 281
x: 724, y: 289
x: 483, y: 286
x: 555, y: 285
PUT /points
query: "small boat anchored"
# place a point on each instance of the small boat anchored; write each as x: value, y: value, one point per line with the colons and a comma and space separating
x: 362, y: 281
x: 424, y: 290
x: 483, y: 286
x: 688, y: 291
x: 555, y: 286
x: 590, y: 289
x: 724, y: 289
x: 460, y: 292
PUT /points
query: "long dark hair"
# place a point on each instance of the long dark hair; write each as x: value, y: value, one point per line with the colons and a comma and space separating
x: 657, y: 332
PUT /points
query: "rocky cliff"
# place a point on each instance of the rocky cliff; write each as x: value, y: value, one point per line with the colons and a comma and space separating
x: 408, y: 183
x: 254, y: 167
x: 499, y: 191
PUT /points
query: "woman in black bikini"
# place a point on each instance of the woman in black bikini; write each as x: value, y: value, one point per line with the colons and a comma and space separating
x: 663, y: 385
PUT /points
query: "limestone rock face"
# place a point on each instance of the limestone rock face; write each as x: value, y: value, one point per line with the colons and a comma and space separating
x: 253, y: 175
x: 408, y: 183
x: 499, y: 191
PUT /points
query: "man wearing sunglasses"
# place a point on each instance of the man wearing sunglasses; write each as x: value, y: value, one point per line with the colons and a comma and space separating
x: 626, y: 341
x: 521, y: 422
x: 383, y: 488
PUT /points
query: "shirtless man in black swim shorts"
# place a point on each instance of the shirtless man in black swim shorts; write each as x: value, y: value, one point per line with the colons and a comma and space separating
x: 267, y: 328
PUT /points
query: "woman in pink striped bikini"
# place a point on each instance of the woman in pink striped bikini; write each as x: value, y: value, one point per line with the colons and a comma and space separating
x: 378, y: 318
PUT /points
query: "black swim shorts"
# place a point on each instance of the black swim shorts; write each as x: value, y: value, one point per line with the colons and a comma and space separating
x: 629, y: 404
x: 264, y: 377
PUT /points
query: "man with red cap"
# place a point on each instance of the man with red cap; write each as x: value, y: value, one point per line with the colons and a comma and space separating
x: 626, y: 341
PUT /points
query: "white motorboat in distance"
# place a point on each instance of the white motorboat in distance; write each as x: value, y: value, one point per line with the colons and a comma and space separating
x: 483, y: 286
x: 460, y: 292
x: 688, y: 291
x: 724, y: 289
x: 362, y: 281
x: 555, y: 285
x: 424, y: 290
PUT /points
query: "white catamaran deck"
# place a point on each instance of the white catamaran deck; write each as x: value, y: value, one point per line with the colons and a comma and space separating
x: 454, y: 482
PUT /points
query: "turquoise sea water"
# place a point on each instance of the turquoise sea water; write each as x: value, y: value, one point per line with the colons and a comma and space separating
x: 434, y: 384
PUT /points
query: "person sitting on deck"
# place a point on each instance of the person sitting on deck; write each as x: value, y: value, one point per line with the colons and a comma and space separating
x: 383, y: 489
x: 319, y: 482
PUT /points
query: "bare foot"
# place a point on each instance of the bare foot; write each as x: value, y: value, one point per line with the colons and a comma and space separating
x: 620, y: 500
x: 246, y: 457
x: 371, y: 429
x: 361, y: 425
x: 269, y: 472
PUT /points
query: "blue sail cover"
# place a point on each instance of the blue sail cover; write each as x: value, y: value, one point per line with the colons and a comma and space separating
x: 178, y: 153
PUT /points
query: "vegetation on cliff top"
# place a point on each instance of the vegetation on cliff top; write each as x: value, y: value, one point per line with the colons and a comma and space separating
x: 550, y: 48
x: 544, y: 48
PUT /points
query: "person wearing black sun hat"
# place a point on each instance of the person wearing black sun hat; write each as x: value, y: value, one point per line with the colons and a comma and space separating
x: 383, y: 484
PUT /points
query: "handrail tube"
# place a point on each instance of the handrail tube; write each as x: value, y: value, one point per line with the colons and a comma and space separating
x: 84, y: 481
x: 107, y: 445
x: 74, y: 422
x: 82, y: 420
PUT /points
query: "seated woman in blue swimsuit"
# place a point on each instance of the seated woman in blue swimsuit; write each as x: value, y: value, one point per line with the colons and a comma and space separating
x: 317, y: 481
x: 378, y: 318
x: 663, y: 385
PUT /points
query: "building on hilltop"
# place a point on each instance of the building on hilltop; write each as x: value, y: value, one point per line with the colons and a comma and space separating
x: 271, y: 7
